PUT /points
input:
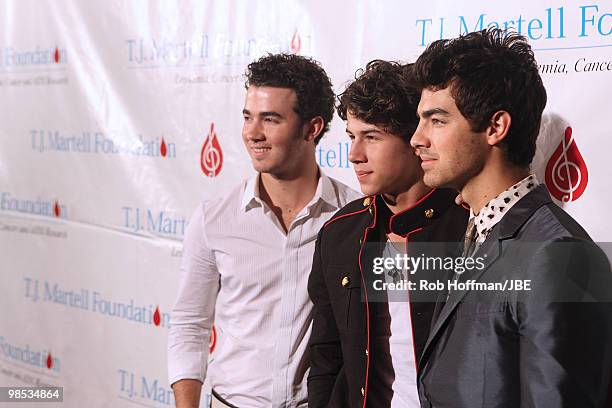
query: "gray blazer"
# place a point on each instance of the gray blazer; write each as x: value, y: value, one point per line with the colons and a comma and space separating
x: 550, y: 346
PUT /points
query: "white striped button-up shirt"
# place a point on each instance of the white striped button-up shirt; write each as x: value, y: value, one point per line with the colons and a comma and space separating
x: 242, y: 272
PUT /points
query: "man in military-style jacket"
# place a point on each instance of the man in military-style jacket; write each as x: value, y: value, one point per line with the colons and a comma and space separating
x: 367, y: 337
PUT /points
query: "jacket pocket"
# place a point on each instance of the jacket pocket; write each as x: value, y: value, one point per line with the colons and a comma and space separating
x: 345, y: 296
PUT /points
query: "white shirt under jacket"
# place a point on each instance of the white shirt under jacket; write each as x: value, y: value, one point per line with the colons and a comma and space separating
x: 243, y: 273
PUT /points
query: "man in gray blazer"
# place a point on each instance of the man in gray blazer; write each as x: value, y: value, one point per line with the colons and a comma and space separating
x: 533, y: 326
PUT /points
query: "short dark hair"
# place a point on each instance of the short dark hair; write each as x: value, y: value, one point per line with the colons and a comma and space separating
x: 489, y: 71
x: 305, y: 76
x: 382, y: 95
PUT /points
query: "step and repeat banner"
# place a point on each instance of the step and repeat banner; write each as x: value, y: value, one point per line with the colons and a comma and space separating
x: 118, y: 118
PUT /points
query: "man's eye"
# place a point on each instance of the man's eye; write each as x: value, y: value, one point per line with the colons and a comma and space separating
x: 246, y: 118
x: 271, y: 120
x: 436, y: 121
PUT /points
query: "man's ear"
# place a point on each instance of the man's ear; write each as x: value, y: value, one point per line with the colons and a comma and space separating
x: 498, y: 127
x: 313, y: 128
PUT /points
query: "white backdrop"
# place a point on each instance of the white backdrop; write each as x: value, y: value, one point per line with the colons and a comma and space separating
x: 117, y: 118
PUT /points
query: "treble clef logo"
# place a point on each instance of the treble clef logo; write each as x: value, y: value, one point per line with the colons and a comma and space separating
x: 211, y: 157
x: 566, y: 172
x: 296, y: 43
x: 212, y: 341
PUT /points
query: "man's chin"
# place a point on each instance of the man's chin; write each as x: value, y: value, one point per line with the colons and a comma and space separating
x: 260, y: 167
x: 369, y: 190
x: 432, y: 181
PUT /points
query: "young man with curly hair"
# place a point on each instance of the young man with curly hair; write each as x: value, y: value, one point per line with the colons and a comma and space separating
x: 247, y: 254
x: 546, y: 341
x: 366, y: 340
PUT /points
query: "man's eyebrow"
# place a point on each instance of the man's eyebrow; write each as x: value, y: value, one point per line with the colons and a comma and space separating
x: 263, y: 114
x: 271, y: 113
x: 434, y: 111
x: 364, y: 132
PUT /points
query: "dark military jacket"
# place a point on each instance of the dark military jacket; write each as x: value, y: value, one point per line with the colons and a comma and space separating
x: 347, y: 310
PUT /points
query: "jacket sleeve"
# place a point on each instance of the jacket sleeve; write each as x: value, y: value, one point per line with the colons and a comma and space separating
x: 565, y: 327
x: 325, y: 350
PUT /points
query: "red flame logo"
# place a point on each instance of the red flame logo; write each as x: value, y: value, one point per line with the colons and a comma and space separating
x: 211, y: 157
x: 213, y: 339
x: 56, y: 209
x: 296, y: 42
x: 156, y: 317
x: 56, y: 55
x: 49, y: 361
x: 566, y: 172
x: 163, y: 149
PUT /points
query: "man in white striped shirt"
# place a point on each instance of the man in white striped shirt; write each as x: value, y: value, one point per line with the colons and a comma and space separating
x: 247, y: 255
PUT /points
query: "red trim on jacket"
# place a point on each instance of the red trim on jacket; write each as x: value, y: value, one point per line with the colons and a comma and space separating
x: 408, y: 209
x: 367, y: 305
x: 347, y: 215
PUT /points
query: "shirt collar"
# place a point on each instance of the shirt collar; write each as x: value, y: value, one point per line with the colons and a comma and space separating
x: 424, y: 212
x: 250, y: 195
x: 325, y: 191
x: 495, y: 209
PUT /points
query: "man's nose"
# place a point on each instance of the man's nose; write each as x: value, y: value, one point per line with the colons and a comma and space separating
x: 253, y: 130
x: 357, y: 153
x: 419, y: 137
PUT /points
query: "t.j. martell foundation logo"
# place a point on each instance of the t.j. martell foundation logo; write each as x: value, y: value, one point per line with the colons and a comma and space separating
x: 57, y: 210
x: 566, y: 172
x: 156, y: 316
x: 38, y: 206
x: 163, y: 148
x: 211, y: 156
x: 31, y: 356
x: 11, y: 57
x: 49, y: 361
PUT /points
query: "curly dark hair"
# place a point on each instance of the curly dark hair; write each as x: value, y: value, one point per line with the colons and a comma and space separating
x: 382, y: 95
x: 489, y: 71
x: 312, y: 86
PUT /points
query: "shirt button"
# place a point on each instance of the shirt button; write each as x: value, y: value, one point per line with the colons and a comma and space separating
x: 429, y: 212
x: 345, y: 281
x: 362, y: 392
x: 367, y: 352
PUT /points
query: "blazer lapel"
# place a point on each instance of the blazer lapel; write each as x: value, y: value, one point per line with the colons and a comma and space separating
x: 490, y: 250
